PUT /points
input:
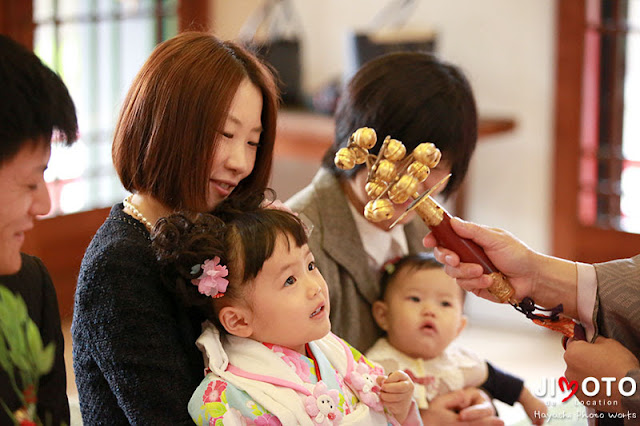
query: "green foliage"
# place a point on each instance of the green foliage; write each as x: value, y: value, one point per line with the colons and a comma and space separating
x: 21, y: 349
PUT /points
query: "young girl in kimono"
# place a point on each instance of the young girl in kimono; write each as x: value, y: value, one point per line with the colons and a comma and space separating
x: 420, y: 309
x: 271, y: 358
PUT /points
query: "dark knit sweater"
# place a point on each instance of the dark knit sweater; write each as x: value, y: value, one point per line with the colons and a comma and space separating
x: 134, y: 352
x: 34, y: 284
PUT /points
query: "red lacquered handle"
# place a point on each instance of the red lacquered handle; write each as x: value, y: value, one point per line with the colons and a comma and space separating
x: 439, y: 221
x: 467, y: 250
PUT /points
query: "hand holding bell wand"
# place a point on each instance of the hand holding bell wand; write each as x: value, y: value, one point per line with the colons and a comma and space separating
x: 394, y: 177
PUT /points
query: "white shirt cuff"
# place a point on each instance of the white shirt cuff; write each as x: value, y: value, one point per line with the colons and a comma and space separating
x: 587, y: 290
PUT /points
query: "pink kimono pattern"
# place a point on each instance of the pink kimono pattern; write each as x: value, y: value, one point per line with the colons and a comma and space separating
x: 218, y: 402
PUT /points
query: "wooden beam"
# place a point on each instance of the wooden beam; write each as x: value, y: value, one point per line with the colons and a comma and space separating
x: 308, y: 135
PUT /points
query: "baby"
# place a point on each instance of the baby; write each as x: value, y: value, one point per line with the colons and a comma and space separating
x: 271, y: 357
x: 421, y: 312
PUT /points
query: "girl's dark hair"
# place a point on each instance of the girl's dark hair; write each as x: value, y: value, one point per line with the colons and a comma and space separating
x: 240, y: 231
x: 413, y: 97
x: 418, y: 261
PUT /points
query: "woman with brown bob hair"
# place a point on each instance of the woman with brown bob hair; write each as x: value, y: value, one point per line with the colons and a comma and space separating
x: 197, y: 126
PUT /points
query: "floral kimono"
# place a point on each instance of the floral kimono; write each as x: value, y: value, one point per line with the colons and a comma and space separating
x: 253, y: 383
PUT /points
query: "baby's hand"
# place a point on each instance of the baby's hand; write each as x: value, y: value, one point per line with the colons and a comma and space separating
x: 396, y: 394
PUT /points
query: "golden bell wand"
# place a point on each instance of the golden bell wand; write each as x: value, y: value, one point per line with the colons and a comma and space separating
x: 394, y: 177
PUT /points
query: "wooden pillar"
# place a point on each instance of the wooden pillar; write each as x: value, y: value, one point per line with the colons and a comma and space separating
x: 193, y: 15
x: 16, y: 21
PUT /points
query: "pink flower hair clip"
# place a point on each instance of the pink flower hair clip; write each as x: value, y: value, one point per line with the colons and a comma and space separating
x: 211, y: 282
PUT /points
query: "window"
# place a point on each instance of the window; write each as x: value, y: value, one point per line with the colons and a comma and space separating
x: 597, y: 164
x: 610, y: 166
x: 65, y: 21
x: 97, y: 47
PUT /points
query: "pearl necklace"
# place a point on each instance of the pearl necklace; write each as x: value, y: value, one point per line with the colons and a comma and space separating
x: 136, y: 213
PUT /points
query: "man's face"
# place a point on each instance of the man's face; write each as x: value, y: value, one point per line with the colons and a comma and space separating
x: 23, y: 196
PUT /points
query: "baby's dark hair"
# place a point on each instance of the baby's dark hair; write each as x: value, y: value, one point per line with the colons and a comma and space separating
x: 418, y: 261
x: 241, y: 231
